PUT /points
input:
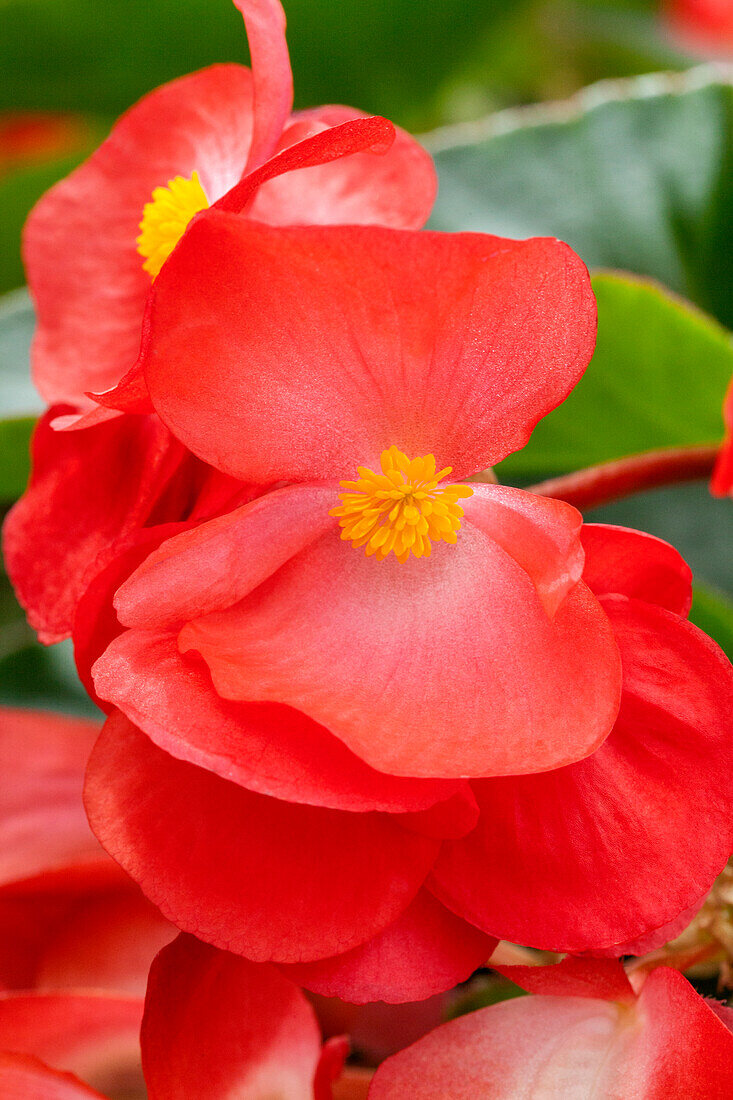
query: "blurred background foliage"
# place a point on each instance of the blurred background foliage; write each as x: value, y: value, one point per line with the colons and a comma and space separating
x: 637, y: 178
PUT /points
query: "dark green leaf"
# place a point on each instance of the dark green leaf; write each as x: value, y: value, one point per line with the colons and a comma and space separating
x: 634, y: 175
x: 19, y: 402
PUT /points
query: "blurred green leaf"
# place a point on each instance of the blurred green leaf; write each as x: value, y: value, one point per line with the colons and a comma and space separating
x: 713, y: 613
x: 19, y: 402
x: 657, y: 379
x: 634, y: 175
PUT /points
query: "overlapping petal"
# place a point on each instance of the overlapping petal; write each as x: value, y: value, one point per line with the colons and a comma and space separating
x: 631, y: 563
x: 617, y: 845
x: 317, y: 348
x: 425, y: 951
x: 667, y: 1042
x: 450, y: 667
x: 267, y: 879
x: 84, y: 271
x: 23, y: 1077
x: 87, y: 489
x: 216, y: 1025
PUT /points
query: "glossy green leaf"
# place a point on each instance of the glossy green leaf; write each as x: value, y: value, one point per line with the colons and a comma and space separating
x: 657, y: 379
x: 19, y: 402
x: 634, y: 175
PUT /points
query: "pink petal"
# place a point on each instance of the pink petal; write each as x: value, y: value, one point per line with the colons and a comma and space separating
x: 383, y: 969
x: 444, y: 666
x: 265, y: 747
x: 613, y: 847
x: 218, y: 1026
x: 395, y: 189
x: 317, y: 348
x: 631, y: 563
x: 267, y: 879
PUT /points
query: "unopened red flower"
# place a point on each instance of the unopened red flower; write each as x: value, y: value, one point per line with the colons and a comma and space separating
x: 386, y: 718
x: 94, y: 243
x: 588, y: 1030
x: 702, y: 25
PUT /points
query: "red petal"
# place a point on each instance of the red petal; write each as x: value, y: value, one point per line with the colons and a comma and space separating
x: 87, y: 489
x: 631, y: 563
x: 217, y: 1026
x: 540, y: 534
x: 617, y: 845
x: 443, y: 666
x: 218, y: 563
x: 271, y: 75
x: 84, y: 271
x: 384, y: 968
x: 670, y: 1045
x: 264, y: 878
x: 94, y: 1036
x: 317, y: 348
x: 265, y: 747
x: 42, y: 822
x: 25, y: 1078
x: 604, y: 979
x: 395, y: 189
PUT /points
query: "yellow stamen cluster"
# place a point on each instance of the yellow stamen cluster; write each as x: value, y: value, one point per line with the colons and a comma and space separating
x: 402, y: 509
x: 165, y: 218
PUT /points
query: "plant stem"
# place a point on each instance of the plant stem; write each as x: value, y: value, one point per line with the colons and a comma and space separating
x: 609, y: 481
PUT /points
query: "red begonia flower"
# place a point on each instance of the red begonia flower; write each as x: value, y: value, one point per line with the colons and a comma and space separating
x: 93, y: 488
x: 69, y: 918
x: 722, y: 480
x: 203, y: 132
x: 315, y: 351
x: 586, y: 1031
x: 589, y: 855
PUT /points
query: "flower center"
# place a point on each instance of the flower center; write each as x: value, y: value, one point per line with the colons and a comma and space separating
x: 402, y: 509
x: 165, y: 218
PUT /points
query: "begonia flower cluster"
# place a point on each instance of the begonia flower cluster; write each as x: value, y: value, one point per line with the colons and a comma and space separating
x: 368, y: 710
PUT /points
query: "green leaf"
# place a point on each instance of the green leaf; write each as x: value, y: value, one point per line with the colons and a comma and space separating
x: 713, y: 613
x: 19, y: 402
x: 632, y: 174
x: 657, y: 379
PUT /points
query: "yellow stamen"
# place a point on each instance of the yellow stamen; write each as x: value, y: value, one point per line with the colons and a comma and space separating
x: 400, y: 510
x: 165, y: 218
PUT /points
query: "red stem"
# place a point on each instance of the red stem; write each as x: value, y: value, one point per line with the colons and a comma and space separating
x: 613, y: 480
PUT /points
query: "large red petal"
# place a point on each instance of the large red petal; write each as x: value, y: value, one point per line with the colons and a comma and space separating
x: 265, y: 747
x: 624, y: 562
x: 267, y: 879
x: 317, y: 348
x: 385, y: 968
x: 443, y: 666
x: 395, y: 189
x: 217, y: 1026
x: 84, y: 271
x: 87, y: 489
x: 619, y: 844
x: 23, y: 1077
